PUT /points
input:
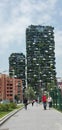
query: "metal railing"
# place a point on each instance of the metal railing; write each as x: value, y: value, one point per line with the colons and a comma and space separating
x: 56, y: 95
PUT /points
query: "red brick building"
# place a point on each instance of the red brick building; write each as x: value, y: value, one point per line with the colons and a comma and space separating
x: 10, y: 87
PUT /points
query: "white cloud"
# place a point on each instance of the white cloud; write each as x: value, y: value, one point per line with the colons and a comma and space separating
x: 52, y: 3
x: 60, y: 13
x: 16, y: 16
x: 58, y: 42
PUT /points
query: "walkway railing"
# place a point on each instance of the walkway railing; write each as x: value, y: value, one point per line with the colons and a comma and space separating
x: 56, y: 95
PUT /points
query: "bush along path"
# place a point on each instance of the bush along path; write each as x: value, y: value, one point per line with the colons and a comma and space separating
x: 7, y: 110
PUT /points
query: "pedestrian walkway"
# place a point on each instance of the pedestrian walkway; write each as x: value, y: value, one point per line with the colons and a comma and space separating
x: 34, y: 118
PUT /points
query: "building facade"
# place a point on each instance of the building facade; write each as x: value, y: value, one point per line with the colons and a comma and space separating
x: 59, y: 82
x: 10, y: 88
x: 17, y: 66
x: 40, y: 55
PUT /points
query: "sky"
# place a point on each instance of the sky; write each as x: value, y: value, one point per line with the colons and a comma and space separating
x: 17, y: 15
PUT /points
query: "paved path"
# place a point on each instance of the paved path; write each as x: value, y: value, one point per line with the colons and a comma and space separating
x: 34, y: 118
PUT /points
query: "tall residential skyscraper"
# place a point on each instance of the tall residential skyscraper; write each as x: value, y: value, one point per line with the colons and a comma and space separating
x: 40, y: 56
x: 17, y: 66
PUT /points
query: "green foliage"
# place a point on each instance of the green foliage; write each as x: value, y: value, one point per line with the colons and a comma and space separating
x: 16, y: 98
x: 2, y: 113
x: 50, y: 86
x: 7, y: 107
x: 11, y: 108
x: 29, y: 93
x: 4, y: 107
x: 12, y: 105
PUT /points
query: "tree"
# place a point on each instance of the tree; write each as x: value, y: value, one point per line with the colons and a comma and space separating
x: 29, y: 93
x: 16, y: 98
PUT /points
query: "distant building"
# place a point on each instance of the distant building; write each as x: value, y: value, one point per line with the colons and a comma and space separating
x: 10, y: 87
x: 17, y: 66
x: 40, y: 47
x: 59, y: 82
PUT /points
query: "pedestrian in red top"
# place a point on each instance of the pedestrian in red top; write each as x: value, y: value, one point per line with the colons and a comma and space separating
x: 44, y: 100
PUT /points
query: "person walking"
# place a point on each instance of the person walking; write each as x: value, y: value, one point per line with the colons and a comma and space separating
x: 44, y: 100
x: 49, y: 101
x: 25, y: 101
x: 33, y: 102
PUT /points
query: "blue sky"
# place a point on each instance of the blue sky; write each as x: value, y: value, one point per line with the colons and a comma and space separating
x: 17, y: 15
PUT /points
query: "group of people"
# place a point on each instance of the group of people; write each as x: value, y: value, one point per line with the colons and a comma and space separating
x: 46, y: 100
x: 25, y: 101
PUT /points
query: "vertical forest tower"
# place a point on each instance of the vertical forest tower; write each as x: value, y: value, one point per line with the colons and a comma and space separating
x: 17, y: 66
x: 40, y: 56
